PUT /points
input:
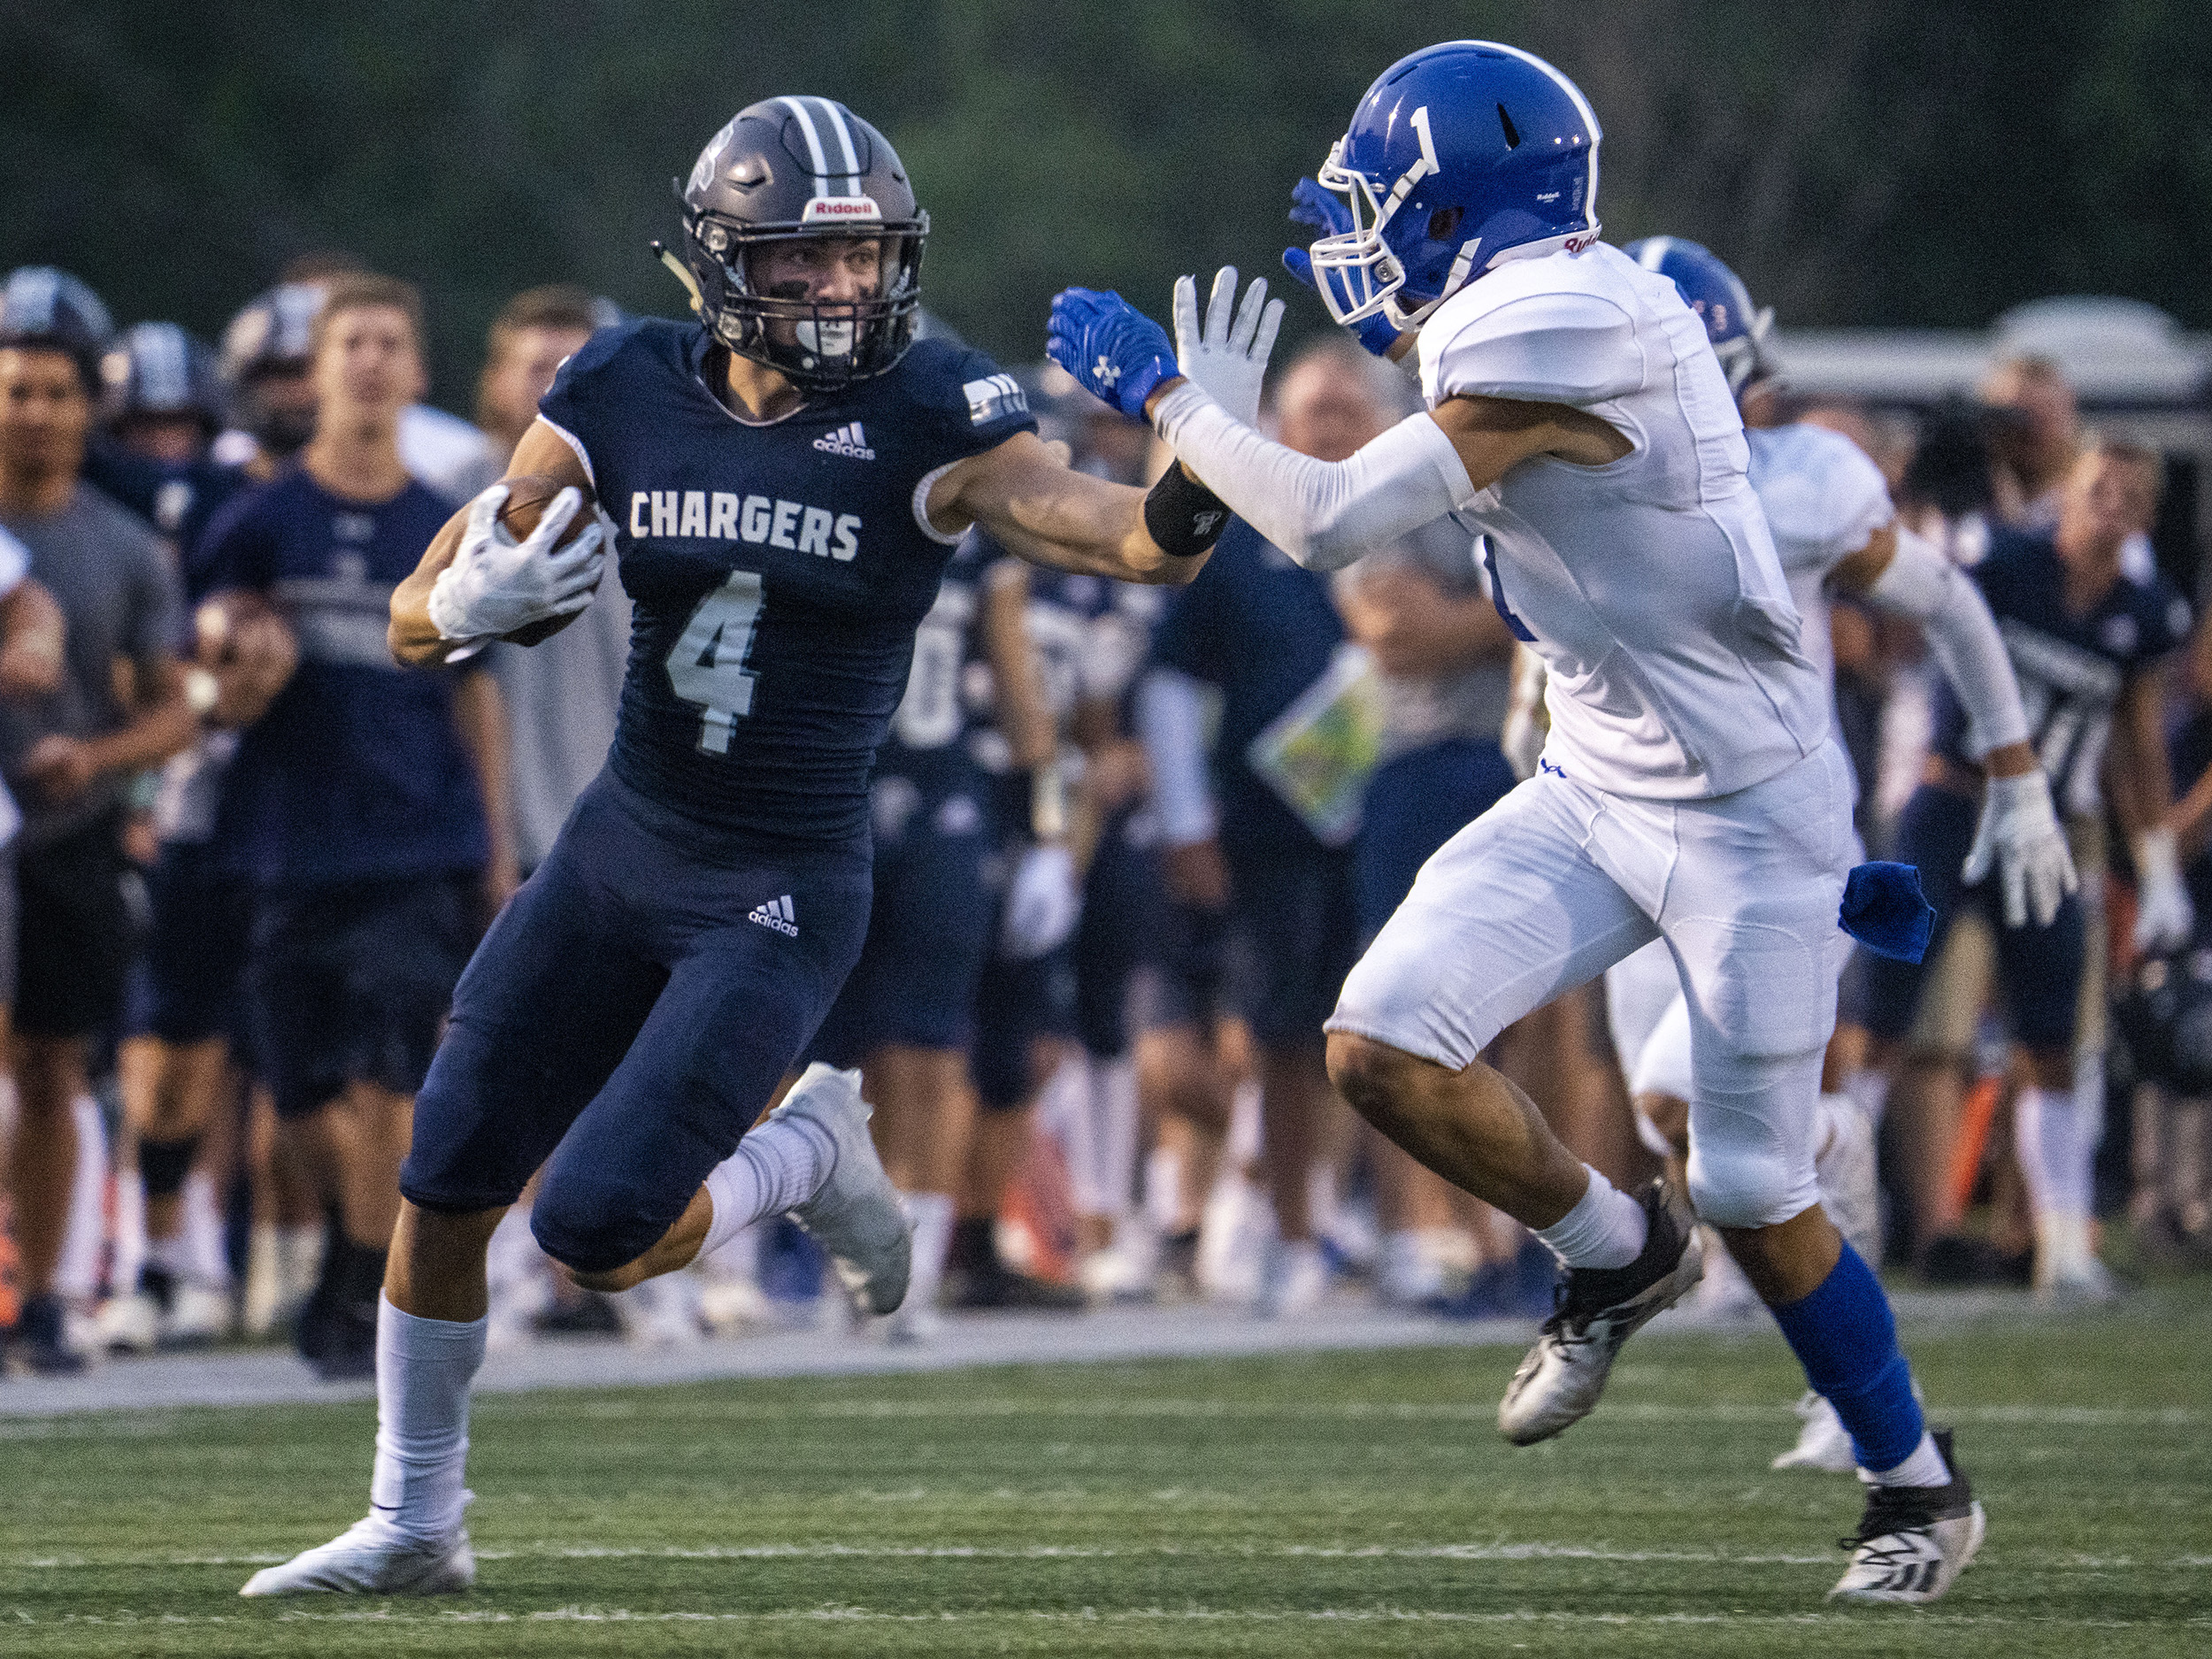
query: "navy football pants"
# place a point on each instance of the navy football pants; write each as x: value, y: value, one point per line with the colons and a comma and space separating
x: 626, y: 1019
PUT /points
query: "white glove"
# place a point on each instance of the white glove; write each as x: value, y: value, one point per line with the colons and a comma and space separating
x: 1043, y: 903
x: 1227, y: 360
x: 2164, y: 919
x: 496, y: 584
x: 2020, y: 833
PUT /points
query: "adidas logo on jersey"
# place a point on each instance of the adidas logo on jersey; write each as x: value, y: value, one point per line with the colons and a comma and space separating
x: 846, y: 441
x: 778, y: 914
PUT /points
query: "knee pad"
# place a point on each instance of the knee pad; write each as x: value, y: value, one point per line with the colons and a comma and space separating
x: 1751, y: 1139
x: 590, y: 1227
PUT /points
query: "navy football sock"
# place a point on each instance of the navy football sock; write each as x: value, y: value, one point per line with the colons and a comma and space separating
x: 1845, y: 1338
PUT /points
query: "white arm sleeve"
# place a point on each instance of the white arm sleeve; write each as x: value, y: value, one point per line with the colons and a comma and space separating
x: 1171, y: 720
x: 1323, y: 514
x: 1923, y: 585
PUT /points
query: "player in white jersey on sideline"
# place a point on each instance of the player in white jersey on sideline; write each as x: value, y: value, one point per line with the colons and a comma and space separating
x: 1836, y: 534
x: 1580, y: 421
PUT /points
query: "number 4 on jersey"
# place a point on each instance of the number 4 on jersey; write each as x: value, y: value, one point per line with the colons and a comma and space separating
x: 707, y: 665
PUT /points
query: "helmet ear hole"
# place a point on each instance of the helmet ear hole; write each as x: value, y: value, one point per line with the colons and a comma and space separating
x: 1444, y: 224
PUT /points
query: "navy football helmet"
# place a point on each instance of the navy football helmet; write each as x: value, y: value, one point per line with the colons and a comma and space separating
x: 1461, y: 156
x: 786, y: 168
x: 160, y: 369
x: 1737, y: 329
x: 42, y: 306
x: 275, y: 330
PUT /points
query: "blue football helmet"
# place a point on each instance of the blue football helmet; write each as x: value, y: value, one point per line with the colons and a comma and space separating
x: 1737, y: 329
x: 1459, y: 156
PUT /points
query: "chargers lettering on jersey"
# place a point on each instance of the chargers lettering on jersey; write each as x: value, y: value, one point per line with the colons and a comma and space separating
x: 720, y: 516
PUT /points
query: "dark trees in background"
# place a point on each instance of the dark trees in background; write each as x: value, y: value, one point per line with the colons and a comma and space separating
x: 1864, y: 161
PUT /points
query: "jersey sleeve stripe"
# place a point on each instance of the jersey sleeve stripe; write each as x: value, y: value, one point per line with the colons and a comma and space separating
x: 921, y: 506
x: 583, y: 456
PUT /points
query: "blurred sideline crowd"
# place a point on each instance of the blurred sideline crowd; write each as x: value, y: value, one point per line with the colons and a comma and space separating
x: 1127, y: 846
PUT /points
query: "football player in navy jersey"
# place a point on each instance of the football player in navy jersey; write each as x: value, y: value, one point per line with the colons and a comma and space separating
x: 786, y: 480
x: 2087, y: 645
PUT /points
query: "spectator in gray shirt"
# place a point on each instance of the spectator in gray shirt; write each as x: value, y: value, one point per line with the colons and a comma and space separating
x: 68, y: 758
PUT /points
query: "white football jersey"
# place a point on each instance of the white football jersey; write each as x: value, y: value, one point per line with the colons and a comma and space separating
x: 1649, y: 586
x: 1825, y: 499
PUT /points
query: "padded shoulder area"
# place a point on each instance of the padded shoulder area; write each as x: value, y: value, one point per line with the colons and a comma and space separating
x: 1545, y: 330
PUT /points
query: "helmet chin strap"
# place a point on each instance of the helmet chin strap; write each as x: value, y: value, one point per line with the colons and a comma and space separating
x: 683, y: 275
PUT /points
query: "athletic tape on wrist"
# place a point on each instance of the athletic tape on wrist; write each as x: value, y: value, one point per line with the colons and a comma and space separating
x: 1183, y: 516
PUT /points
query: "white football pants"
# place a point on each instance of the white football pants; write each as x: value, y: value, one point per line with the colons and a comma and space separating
x: 1559, y: 880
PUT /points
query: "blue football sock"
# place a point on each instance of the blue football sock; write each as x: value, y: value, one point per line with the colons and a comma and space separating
x: 1845, y: 1339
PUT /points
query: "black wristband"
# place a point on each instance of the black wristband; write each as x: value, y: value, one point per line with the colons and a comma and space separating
x: 1182, y: 515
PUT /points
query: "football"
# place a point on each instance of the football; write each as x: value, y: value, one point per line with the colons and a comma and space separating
x: 527, y: 500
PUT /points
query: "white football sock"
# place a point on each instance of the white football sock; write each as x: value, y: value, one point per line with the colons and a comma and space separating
x: 423, y: 1370
x: 777, y: 1167
x: 168, y: 1255
x: 84, y: 1243
x: 1606, y: 1228
x: 206, y: 1258
x: 932, y: 1213
x: 2051, y: 1140
x: 1114, y: 1116
x: 128, y: 1247
x: 1925, y: 1468
x: 299, y: 1262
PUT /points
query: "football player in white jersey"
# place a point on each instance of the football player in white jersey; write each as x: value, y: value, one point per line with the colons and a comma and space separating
x: 1579, y: 420
x: 1836, y: 532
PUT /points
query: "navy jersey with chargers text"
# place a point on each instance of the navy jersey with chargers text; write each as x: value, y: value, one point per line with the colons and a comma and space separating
x: 2071, y: 669
x: 779, y: 569
x: 358, y: 772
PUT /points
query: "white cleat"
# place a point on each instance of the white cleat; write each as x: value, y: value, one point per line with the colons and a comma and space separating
x: 1294, y: 1279
x: 1823, y: 1442
x: 1600, y: 1309
x: 371, y: 1558
x: 855, y: 1216
x: 198, y: 1315
x: 128, y: 1325
x: 1912, y: 1542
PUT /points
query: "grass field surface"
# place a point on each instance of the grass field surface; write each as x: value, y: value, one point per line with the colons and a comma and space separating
x: 1338, y: 1504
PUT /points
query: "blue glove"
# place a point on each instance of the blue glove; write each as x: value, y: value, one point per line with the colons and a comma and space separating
x: 1327, y: 213
x: 1115, y: 351
x: 1883, y: 909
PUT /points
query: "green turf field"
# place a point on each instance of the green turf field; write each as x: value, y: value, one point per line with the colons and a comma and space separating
x: 1343, y: 1504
